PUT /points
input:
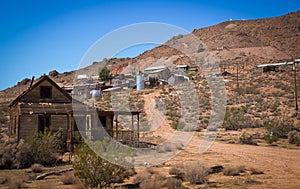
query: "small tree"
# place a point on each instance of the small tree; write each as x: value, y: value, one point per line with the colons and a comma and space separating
x: 95, y: 170
x: 104, y: 74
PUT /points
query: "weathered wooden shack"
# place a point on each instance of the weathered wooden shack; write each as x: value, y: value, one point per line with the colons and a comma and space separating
x: 45, y: 105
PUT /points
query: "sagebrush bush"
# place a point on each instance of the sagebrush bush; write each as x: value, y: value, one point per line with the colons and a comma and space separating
x: 155, y: 181
x: 294, y: 137
x: 177, y: 171
x: 94, y: 170
x: 40, y: 148
x: 246, y: 138
x: 195, y: 172
x: 278, y: 126
x: 8, y: 153
x: 235, y: 119
x: 270, y: 139
x: 174, y: 183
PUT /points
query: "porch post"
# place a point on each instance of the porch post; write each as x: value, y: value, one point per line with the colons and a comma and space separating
x: 69, y: 131
x: 132, y: 130
x: 138, y: 125
x: 117, y: 127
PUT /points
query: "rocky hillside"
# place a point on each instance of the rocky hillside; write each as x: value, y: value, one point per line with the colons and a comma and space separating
x: 251, y: 42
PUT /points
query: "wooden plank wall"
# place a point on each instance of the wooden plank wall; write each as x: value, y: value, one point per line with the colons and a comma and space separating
x: 59, y: 122
x: 28, y: 125
x: 13, y: 124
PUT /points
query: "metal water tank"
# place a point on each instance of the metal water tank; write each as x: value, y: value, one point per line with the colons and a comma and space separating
x: 140, y: 82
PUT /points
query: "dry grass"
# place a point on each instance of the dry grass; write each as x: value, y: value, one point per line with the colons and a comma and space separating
x: 196, y: 172
x: 174, y: 183
x: 156, y: 181
x: 193, y: 172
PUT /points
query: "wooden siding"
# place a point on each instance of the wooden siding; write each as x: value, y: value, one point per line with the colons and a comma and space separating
x: 59, y: 122
x: 28, y: 125
x: 13, y: 123
x: 34, y: 94
x: 45, y: 108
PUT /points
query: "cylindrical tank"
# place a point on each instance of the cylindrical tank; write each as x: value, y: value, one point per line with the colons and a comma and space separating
x: 140, y: 82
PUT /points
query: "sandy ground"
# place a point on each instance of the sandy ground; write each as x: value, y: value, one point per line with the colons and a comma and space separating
x: 281, y: 166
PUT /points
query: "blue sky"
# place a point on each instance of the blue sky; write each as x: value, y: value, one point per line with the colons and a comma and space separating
x: 38, y: 36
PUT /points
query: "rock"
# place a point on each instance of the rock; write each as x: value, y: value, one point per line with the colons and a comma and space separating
x: 53, y: 73
x: 24, y: 81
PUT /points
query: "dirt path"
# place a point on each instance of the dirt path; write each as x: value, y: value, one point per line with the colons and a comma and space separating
x: 159, y: 125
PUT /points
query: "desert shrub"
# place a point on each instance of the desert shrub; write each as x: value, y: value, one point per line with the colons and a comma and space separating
x: 174, y: 183
x: 42, y: 148
x: 37, y: 168
x: 179, y: 125
x: 68, y: 179
x: 278, y: 126
x: 153, y: 182
x: 246, y: 90
x: 294, y: 137
x: 173, y: 113
x: 234, y: 171
x: 96, y: 171
x: 7, y: 154
x: 177, y: 171
x: 3, y: 119
x: 235, y: 119
x: 145, y: 175
x: 195, y: 172
x: 246, y: 138
x: 270, y: 138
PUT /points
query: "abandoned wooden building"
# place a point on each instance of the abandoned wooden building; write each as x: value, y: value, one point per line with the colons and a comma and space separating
x: 45, y: 105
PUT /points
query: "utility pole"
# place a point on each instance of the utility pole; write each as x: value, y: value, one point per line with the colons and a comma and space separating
x: 295, y: 82
x: 237, y: 75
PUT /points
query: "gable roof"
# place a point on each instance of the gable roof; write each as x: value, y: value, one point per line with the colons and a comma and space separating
x: 40, y: 80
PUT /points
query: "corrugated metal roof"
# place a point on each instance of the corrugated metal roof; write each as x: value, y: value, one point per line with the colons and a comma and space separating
x: 155, y: 68
x: 275, y: 64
